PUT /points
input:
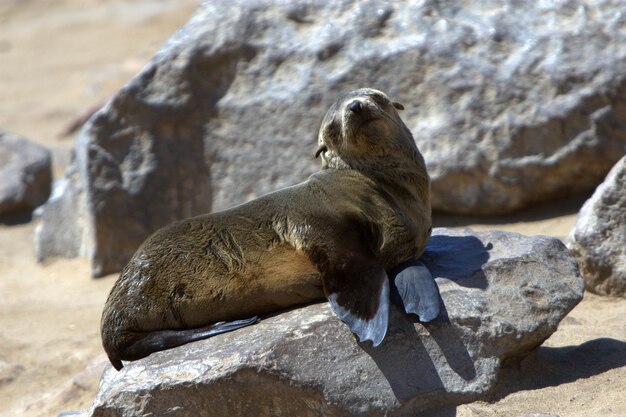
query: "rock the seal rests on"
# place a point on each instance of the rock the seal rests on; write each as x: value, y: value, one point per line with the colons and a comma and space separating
x: 366, y: 212
x: 502, y: 295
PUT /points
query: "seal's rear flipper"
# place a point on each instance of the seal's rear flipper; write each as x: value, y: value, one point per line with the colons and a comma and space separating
x: 415, y: 289
x: 149, y: 342
x: 373, y: 328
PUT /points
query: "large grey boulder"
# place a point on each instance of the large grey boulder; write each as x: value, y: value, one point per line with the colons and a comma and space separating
x: 503, y: 295
x: 25, y: 174
x: 510, y: 102
x: 598, y: 239
x: 121, y: 188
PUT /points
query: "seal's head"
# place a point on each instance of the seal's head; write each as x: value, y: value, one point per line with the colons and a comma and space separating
x: 363, y: 128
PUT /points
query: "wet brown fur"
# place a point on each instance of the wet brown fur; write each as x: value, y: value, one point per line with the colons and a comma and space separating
x: 367, y: 210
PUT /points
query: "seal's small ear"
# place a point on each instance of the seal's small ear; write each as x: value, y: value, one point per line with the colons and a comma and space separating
x: 397, y: 105
x: 322, y: 148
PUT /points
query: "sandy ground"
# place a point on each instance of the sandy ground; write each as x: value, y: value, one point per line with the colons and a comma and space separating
x: 60, y: 59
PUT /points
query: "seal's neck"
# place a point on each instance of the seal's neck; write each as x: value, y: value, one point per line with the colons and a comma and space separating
x: 407, y: 182
x: 401, y: 176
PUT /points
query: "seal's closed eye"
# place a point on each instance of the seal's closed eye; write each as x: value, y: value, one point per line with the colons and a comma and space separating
x: 397, y: 105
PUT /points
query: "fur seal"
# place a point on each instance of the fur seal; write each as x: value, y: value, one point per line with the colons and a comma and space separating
x: 367, y: 211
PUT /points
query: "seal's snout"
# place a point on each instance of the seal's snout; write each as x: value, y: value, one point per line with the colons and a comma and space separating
x: 355, y: 106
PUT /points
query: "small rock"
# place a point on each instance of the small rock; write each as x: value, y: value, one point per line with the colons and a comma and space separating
x: 598, y: 239
x: 25, y: 174
x: 503, y: 295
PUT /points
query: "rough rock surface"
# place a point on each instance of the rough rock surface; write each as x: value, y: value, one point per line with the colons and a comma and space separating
x: 25, y: 174
x: 510, y: 102
x: 138, y: 183
x: 64, y: 223
x: 503, y: 294
x: 598, y: 239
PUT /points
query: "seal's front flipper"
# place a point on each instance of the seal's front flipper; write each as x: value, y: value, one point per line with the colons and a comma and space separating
x: 366, y: 328
x: 358, y: 292
x: 415, y: 289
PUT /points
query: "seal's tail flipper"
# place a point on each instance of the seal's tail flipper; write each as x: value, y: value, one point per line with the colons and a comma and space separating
x: 415, y: 289
x: 149, y: 342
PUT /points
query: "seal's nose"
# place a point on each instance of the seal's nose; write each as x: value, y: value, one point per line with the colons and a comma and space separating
x: 355, y: 106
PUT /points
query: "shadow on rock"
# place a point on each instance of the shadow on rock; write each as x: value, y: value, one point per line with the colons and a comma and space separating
x: 448, y: 339
x: 404, y: 360
x: 457, y: 258
x: 552, y: 366
x: 409, y: 366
